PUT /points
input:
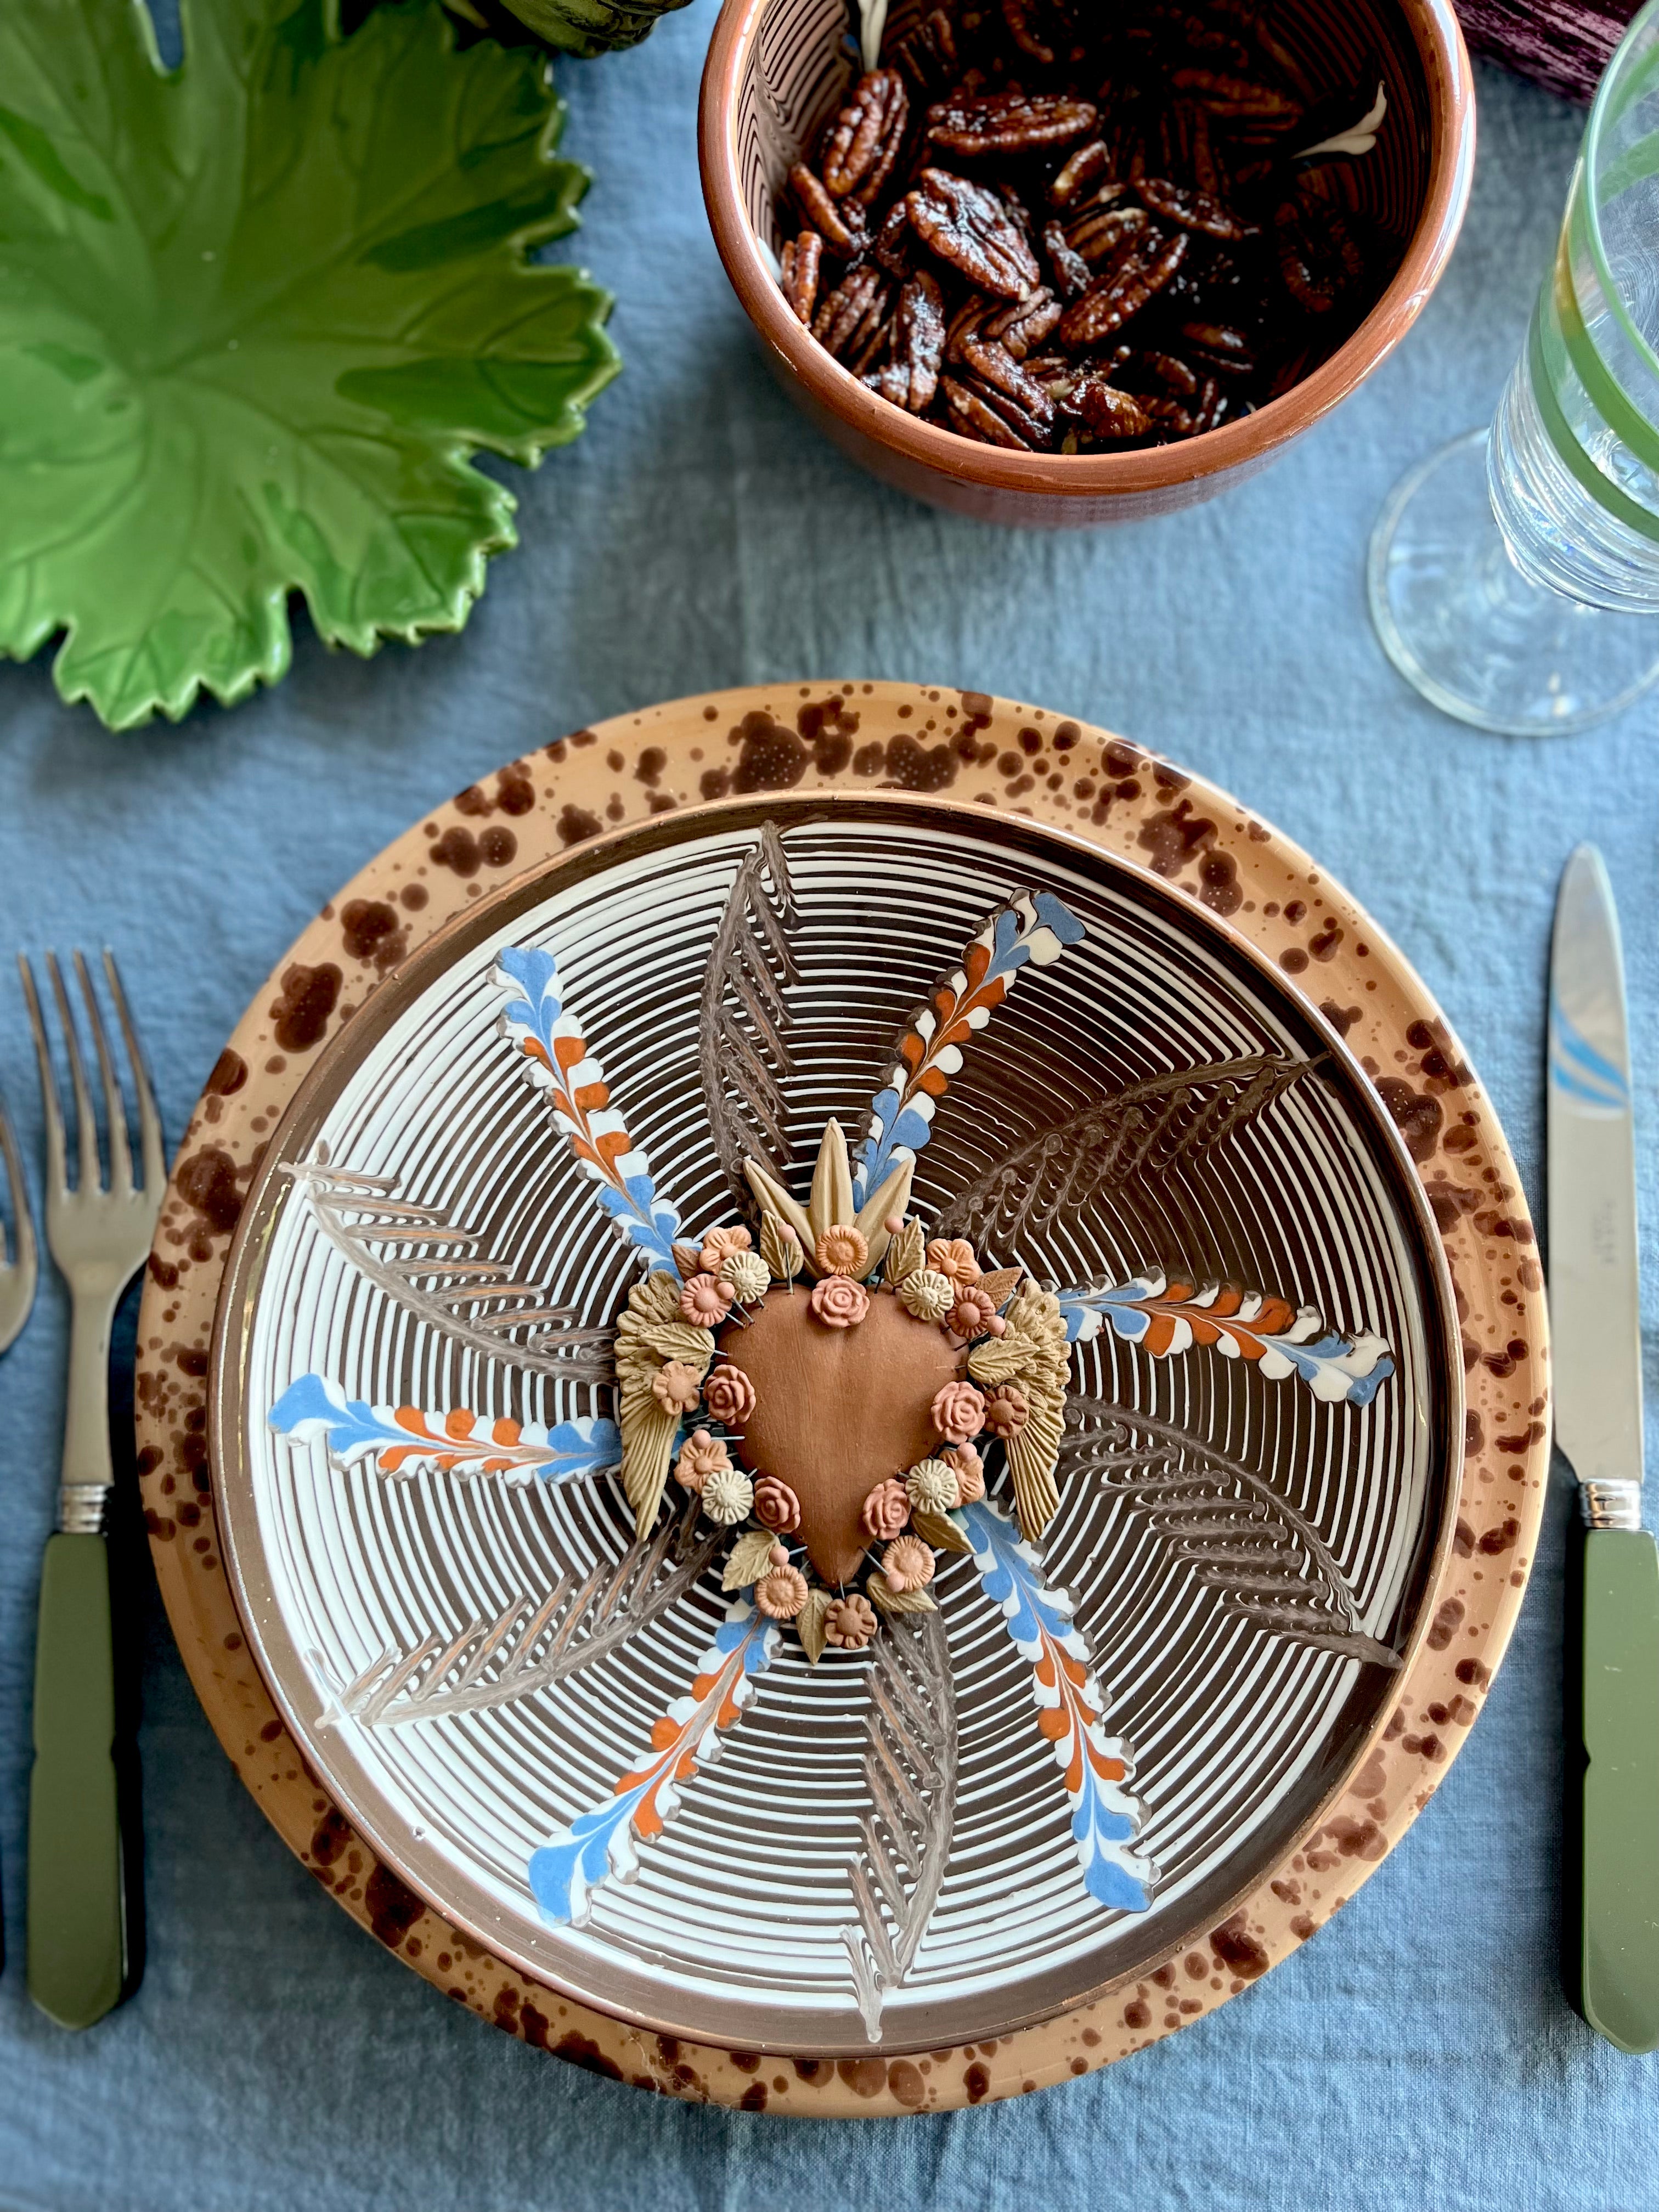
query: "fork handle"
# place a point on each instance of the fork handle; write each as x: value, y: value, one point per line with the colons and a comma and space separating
x: 77, y: 1901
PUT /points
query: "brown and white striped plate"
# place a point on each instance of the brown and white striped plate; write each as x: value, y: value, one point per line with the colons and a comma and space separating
x: 1246, y: 1582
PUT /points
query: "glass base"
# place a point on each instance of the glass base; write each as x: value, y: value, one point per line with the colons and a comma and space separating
x: 1464, y: 626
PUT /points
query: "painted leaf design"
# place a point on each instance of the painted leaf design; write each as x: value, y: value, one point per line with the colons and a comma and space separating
x: 554, y: 1055
x: 1095, y: 1768
x: 401, y: 1440
x: 567, y: 1870
x: 1165, y: 1316
x: 259, y: 314
x: 531, y: 1644
x: 434, y: 1270
x: 1265, y: 1561
x: 911, y: 1774
x: 1144, y: 1132
x: 1031, y: 929
x: 743, y: 1050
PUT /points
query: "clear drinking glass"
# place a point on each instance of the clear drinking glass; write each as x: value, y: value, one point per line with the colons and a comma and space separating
x: 1514, y: 575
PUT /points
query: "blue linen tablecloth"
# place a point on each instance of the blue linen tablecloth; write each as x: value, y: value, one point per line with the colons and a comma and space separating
x: 1418, y: 2052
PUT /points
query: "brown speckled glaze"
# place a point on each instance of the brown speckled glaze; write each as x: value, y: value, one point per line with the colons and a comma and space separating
x: 870, y: 736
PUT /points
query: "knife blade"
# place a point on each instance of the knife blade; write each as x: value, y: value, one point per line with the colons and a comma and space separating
x: 1596, y: 1363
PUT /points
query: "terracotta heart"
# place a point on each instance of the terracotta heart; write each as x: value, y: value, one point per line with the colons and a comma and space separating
x: 837, y: 1410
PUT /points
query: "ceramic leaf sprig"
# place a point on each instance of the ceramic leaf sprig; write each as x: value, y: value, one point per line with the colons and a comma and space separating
x: 256, y: 317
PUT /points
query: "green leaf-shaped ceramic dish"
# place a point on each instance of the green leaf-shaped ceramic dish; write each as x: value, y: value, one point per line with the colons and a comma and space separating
x: 256, y: 315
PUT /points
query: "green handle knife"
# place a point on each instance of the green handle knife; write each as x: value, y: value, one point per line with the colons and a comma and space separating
x: 1595, y: 1327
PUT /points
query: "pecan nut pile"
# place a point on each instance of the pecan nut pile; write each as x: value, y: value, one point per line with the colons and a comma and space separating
x: 1060, y: 227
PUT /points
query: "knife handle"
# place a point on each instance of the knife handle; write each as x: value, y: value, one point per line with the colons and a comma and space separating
x: 1621, y: 1924
x: 76, y: 1900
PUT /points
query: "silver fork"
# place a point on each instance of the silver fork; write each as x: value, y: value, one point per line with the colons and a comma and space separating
x: 18, y: 1268
x: 99, y: 1232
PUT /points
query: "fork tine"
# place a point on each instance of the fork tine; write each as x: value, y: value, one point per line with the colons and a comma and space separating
x: 56, y: 1169
x: 150, y: 1120
x: 115, y: 1106
x: 23, y: 1254
x: 91, y: 1173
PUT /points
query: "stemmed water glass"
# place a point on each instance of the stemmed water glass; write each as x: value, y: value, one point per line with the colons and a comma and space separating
x: 1514, y: 575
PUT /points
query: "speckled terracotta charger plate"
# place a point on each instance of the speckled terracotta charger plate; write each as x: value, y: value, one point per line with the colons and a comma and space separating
x: 1174, y: 1714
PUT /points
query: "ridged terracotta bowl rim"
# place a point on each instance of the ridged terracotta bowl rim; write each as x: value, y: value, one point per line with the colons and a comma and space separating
x: 875, y: 735
x: 1439, y: 41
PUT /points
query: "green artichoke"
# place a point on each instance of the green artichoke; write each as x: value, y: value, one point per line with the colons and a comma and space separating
x: 586, y: 27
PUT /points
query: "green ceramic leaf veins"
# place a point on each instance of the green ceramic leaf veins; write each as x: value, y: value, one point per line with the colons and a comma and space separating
x: 256, y: 316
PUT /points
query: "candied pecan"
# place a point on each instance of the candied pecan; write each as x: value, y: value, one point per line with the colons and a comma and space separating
x: 1109, y: 413
x: 838, y: 223
x: 980, y: 411
x: 893, y: 244
x: 1239, y: 98
x: 1211, y: 406
x: 969, y: 227
x: 1190, y: 209
x: 1220, y: 348
x: 1088, y: 165
x: 1018, y: 15
x: 1168, y: 416
x: 1056, y: 372
x: 1070, y: 269
x: 964, y: 324
x: 994, y: 366
x: 1009, y: 122
x: 853, y: 321
x: 1024, y: 324
x: 1137, y: 277
x: 802, y: 258
x: 1171, y: 372
x: 1319, y: 258
x: 928, y: 55
x: 909, y: 377
x: 1202, y: 162
x: 857, y: 158
x: 1099, y: 233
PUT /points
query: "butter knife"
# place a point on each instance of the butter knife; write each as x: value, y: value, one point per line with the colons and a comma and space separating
x: 1595, y: 1328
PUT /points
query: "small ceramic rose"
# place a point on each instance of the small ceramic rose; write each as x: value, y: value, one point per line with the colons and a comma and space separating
x: 974, y: 1314
x: 776, y: 1505
x: 780, y: 1594
x: 704, y: 1301
x: 727, y: 1496
x: 841, y: 1250
x: 718, y: 1247
x: 729, y: 1395
x: 839, y: 1302
x: 954, y: 1256
x: 701, y: 1456
x: 908, y: 1564
x: 970, y: 1470
x: 850, y: 1623
x: 959, y: 1412
x: 676, y: 1387
x: 1006, y: 1410
x: 885, y: 1510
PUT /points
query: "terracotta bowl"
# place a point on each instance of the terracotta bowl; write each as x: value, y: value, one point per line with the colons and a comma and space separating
x: 778, y: 69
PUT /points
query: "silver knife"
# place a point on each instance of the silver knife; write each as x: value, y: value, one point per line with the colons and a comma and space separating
x: 1595, y: 1280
